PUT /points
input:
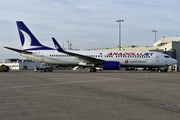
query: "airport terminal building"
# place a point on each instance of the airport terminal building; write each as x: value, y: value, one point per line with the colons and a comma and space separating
x: 20, y: 64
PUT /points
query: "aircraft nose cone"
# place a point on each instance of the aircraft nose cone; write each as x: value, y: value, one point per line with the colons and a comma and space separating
x: 174, y: 61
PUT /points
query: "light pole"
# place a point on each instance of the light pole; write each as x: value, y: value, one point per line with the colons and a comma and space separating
x: 119, y: 32
x: 155, y: 33
x: 68, y: 44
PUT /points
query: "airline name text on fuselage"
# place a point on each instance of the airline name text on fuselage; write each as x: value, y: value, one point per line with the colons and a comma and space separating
x: 129, y: 54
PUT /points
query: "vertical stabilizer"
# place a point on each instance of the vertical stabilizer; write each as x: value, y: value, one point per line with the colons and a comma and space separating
x: 28, y: 40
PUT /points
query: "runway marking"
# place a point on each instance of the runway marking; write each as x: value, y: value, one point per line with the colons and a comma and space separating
x: 50, y: 84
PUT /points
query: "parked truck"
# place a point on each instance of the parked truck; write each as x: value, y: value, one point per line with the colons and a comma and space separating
x: 43, y: 68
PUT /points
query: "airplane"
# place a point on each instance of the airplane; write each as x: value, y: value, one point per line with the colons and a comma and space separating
x: 105, y: 59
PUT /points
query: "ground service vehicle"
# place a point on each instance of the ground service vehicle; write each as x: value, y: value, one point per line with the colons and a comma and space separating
x: 44, y: 68
x: 4, y: 68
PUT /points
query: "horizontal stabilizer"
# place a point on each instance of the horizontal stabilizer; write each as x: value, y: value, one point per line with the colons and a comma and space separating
x: 17, y: 50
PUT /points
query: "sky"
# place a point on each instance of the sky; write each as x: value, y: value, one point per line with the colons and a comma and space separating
x: 88, y: 23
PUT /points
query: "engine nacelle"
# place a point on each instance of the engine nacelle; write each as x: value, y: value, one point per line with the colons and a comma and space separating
x: 111, y: 65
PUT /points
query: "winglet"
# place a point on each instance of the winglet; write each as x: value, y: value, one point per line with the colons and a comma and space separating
x: 57, y: 46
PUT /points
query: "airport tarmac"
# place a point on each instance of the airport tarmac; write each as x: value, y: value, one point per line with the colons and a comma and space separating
x: 81, y: 95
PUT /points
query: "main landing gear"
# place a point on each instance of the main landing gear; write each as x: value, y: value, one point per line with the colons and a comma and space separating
x: 92, y: 69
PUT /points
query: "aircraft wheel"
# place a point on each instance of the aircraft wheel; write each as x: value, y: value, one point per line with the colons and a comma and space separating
x: 92, y: 69
x: 158, y: 70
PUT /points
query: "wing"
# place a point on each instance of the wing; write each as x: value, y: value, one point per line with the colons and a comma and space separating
x: 80, y: 56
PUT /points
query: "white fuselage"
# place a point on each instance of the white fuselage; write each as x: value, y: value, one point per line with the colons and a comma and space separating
x: 126, y: 58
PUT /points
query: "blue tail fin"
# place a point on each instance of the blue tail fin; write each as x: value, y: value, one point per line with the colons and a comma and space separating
x: 28, y: 40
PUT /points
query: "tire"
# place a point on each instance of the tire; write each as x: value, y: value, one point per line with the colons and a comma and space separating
x: 92, y: 69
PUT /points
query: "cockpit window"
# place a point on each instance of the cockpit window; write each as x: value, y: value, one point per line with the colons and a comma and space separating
x: 166, y: 56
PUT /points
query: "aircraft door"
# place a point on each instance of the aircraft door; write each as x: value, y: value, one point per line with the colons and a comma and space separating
x: 157, y: 59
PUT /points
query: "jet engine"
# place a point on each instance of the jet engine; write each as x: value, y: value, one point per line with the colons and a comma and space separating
x: 111, y: 65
